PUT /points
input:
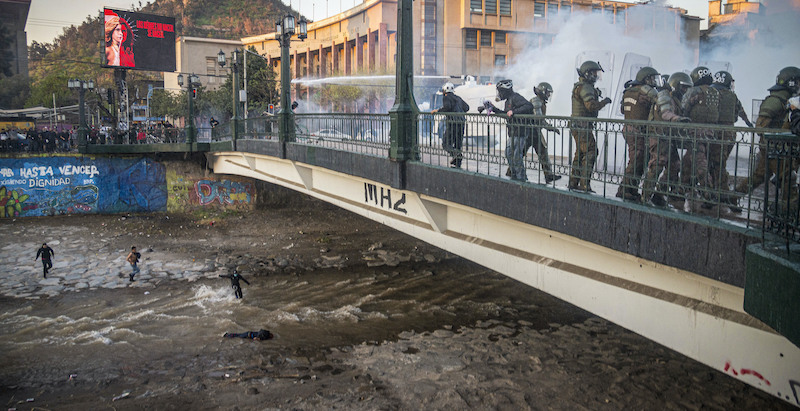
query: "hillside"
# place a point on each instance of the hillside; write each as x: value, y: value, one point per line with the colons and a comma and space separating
x: 76, y: 52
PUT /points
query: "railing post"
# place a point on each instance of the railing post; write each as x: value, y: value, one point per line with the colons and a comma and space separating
x: 403, y: 113
x: 190, y: 127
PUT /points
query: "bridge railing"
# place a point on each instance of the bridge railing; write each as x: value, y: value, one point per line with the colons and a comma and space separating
x: 706, y: 169
x: 781, y: 209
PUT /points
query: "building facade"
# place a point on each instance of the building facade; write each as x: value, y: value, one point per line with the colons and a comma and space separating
x: 452, y: 37
x: 13, y: 16
x: 198, y: 56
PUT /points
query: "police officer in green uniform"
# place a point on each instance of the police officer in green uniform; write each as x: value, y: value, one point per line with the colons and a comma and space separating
x: 585, y: 103
x: 701, y: 105
x: 542, y: 93
x: 663, y: 144
x: 772, y: 114
x: 730, y: 109
x: 637, y: 101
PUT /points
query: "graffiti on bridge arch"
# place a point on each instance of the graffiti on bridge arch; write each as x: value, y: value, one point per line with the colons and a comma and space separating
x: 225, y: 192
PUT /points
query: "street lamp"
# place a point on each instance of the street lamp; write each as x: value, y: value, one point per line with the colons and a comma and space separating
x: 284, y: 30
x: 235, y: 87
x: 191, y: 130
x: 83, y: 129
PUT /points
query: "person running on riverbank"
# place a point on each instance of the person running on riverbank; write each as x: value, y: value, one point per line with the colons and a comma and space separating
x: 133, y: 260
x: 260, y: 335
x: 235, y: 277
x: 47, y: 253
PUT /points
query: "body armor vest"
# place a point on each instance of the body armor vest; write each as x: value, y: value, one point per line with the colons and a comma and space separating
x: 635, y: 103
x: 706, y: 107
x: 578, y: 107
x: 727, y: 107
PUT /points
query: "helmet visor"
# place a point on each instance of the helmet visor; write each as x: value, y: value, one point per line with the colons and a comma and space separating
x: 657, y: 81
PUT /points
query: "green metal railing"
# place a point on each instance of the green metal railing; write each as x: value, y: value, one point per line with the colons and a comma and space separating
x: 706, y: 168
x: 781, y: 191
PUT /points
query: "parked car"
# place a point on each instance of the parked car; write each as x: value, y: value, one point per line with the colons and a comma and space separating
x: 330, y: 134
x: 375, y: 135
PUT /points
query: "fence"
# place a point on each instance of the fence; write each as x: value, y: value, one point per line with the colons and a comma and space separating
x: 781, y: 210
x: 703, y: 169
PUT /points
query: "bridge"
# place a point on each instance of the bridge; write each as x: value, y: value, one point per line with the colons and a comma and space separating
x: 699, y: 276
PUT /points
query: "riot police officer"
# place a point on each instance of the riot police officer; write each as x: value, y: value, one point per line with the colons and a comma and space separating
x: 729, y: 109
x: 637, y: 101
x: 772, y: 114
x: 701, y: 105
x: 542, y: 93
x: 585, y: 103
x: 515, y: 104
x: 663, y: 144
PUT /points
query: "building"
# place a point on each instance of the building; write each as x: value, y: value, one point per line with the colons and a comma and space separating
x: 198, y: 56
x: 453, y: 37
x: 13, y: 16
x: 748, y: 20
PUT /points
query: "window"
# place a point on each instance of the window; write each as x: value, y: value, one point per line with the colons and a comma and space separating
x: 486, y: 38
x: 499, y: 60
x: 505, y: 7
x: 429, y: 29
x: 499, y: 37
x: 471, y: 42
x: 211, y: 69
x: 552, y: 10
x: 538, y: 9
x: 566, y: 8
x: 475, y: 6
x: 491, y: 6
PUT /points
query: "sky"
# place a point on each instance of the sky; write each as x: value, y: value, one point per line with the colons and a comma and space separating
x: 47, y: 18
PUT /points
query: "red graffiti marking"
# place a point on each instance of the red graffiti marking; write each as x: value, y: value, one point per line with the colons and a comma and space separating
x: 745, y: 371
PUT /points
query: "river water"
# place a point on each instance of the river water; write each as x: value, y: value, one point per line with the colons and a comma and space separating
x: 363, y: 318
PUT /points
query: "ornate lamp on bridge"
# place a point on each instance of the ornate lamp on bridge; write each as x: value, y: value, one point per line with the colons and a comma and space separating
x: 191, y: 130
x: 284, y: 30
x: 83, y: 128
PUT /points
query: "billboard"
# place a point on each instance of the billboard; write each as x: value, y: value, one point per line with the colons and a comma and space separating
x: 138, y: 41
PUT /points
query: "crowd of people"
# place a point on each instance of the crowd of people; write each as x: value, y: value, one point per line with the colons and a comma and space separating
x: 36, y: 141
x: 655, y: 168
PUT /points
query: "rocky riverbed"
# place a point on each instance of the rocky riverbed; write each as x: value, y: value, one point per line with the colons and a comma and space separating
x: 363, y: 317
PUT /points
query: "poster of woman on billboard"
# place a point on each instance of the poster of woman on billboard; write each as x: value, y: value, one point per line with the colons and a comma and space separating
x: 119, y: 41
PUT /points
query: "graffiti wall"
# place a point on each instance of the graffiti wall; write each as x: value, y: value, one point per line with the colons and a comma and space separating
x: 39, y: 186
x: 189, y: 189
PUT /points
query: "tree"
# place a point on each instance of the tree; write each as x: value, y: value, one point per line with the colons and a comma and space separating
x: 6, y: 42
x: 261, y: 89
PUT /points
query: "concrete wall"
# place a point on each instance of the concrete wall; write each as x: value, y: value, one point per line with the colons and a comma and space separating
x: 34, y: 186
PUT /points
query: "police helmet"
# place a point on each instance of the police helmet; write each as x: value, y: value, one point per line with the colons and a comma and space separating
x: 589, y: 66
x: 723, y: 78
x: 789, y: 77
x: 448, y: 87
x: 505, y: 85
x: 680, y: 79
x: 701, y: 75
x: 644, y: 73
x: 543, y: 89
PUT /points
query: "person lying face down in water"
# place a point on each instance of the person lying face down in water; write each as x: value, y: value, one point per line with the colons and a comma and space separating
x: 260, y: 335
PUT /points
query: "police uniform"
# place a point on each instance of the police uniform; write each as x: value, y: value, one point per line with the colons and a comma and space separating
x: 637, y: 102
x: 585, y: 103
x: 730, y: 108
x: 701, y: 105
x: 537, y: 140
x: 663, y: 146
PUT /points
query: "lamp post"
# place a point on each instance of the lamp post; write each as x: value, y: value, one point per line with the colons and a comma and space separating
x: 235, y: 86
x: 191, y: 130
x: 284, y: 30
x: 401, y: 116
x: 83, y: 128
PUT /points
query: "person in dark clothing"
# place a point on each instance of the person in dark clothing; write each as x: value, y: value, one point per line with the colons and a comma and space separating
x: 47, y: 255
x: 235, y: 277
x: 253, y: 335
x: 518, y: 130
x: 794, y: 116
x: 213, y: 122
x: 454, y: 130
